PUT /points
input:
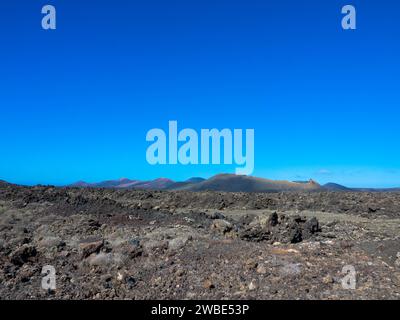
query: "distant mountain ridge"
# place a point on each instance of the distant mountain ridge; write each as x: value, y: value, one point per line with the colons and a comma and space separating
x: 124, y: 183
x: 185, y: 184
x: 220, y: 182
x: 5, y: 183
x: 335, y: 187
x: 236, y: 183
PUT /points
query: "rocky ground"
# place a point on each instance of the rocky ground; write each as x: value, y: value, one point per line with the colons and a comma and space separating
x: 116, y: 244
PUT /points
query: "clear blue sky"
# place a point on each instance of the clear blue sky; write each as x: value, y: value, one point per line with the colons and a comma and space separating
x: 76, y: 103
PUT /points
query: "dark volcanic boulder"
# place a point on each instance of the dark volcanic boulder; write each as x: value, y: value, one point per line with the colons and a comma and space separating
x: 310, y: 227
x: 23, y: 254
x: 89, y: 246
x: 281, y: 228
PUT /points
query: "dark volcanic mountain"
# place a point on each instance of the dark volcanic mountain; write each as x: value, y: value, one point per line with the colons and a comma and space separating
x: 120, y: 183
x: 2, y: 182
x: 335, y: 187
x: 185, y: 185
x: 157, y: 184
x: 224, y: 183
x: 195, y: 180
x: 123, y: 183
x: 221, y: 182
x: 236, y: 183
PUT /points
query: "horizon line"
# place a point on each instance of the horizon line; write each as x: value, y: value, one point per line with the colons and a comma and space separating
x: 192, y: 177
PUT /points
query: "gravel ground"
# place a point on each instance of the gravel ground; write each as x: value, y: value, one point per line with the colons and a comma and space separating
x: 120, y: 244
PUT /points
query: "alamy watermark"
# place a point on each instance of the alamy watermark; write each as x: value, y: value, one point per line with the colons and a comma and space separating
x: 49, y: 18
x: 187, y: 146
x: 49, y: 21
x: 349, y: 21
x: 349, y: 281
x: 49, y: 278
